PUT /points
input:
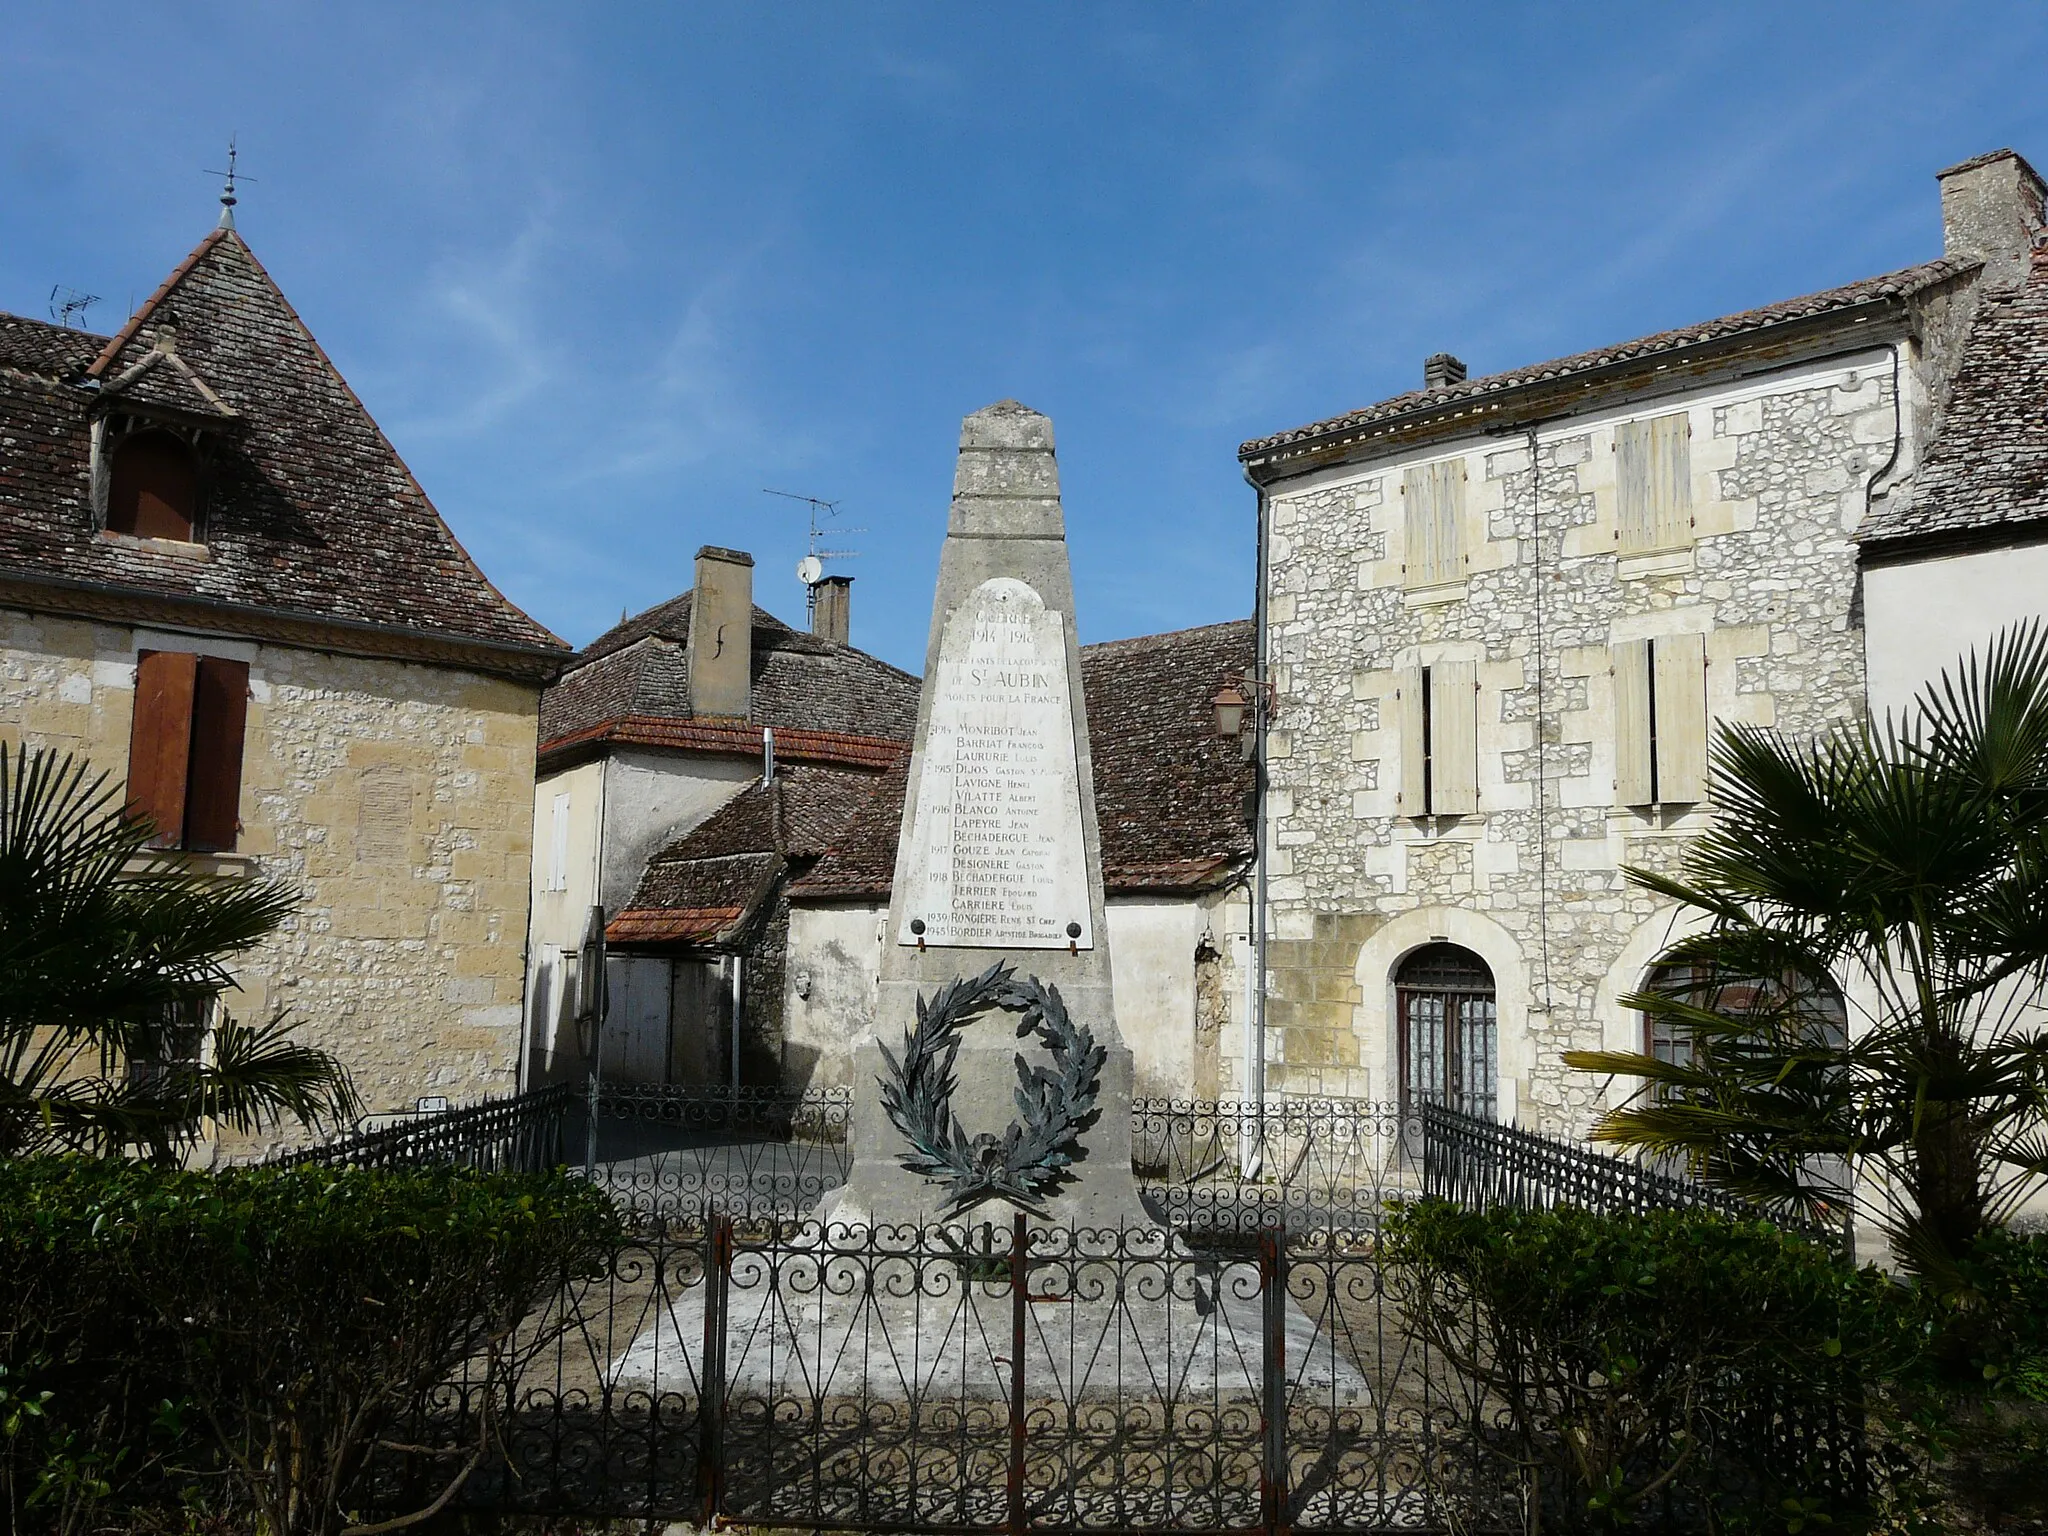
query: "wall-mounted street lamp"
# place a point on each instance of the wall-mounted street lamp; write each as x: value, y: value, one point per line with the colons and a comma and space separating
x: 1229, y: 705
x: 1241, y: 702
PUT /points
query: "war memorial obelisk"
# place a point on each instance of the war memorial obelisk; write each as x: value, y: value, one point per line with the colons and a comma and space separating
x: 998, y: 858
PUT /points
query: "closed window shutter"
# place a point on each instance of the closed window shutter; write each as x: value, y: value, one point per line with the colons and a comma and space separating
x: 160, y: 742
x: 1671, y: 479
x: 1653, y: 483
x: 220, y: 710
x: 1681, y: 662
x: 1414, y: 745
x: 1434, y: 496
x: 1454, y: 722
x: 1633, y: 784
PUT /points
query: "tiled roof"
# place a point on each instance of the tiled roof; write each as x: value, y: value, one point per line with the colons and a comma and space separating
x: 1988, y: 469
x: 1892, y: 285
x: 310, y: 511
x: 801, y: 682
x: 725, y: 738
x: 52, y: 351
x: 1172, y: 799
x: 707, y: 885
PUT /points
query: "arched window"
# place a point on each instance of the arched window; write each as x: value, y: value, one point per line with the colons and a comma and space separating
x: 153, y: 491
x: 1668, y: 1039
x: 1449, y: 1030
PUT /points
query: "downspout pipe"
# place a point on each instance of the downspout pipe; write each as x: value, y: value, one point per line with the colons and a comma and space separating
x: 1255, y: 1043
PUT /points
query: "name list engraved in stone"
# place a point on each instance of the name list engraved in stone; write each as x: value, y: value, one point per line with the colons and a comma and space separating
x: 996, y: 856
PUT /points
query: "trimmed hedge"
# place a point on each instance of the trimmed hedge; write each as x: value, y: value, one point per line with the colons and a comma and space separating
x: 1676, y: 1367
x: 244, y: 1339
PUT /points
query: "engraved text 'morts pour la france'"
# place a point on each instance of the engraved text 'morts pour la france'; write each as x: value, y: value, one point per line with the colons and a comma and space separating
x: 996, y: 856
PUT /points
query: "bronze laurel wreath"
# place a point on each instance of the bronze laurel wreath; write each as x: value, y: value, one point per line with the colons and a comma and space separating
x: 1055, y: 1103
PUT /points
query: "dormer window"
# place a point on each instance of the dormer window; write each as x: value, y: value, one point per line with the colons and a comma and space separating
x: 153, y: 487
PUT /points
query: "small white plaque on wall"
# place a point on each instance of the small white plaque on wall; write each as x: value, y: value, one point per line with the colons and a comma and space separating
x: 996, y: 854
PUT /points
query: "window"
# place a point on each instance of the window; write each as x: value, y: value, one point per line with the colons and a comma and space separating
x: 1653, y: 483
x: 185, y: 748
x: 1439, y: 706
x: 1660, y: 721
x: 153, y: 491
x: 1433, y: 497
x: 1449, y: 1030
x: 1819, y: 1007
x: 558, y: 847
x: 172, y: 1050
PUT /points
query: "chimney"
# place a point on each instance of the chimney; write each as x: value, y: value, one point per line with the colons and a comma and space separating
x: 722, y: 633
x: 832, y: 609
x: 1991, y: 210
x: 1440, y: 370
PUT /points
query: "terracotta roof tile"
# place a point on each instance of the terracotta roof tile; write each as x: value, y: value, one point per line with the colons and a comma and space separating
x: 1988, y: 470
x: 801, y: 682
x: 1891, y: 285
x: 310, y: 511
x: 1171, y: 798
x: 732, y: 860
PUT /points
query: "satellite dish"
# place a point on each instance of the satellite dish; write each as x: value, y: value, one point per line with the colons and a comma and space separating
x: 810, y: 570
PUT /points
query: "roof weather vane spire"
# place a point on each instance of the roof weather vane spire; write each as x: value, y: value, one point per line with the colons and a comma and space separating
x: 227, y: 191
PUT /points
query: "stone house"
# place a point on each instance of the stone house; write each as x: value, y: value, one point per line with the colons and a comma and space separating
x: 1503, y: 615
x: 219, y: 582
x: 667, y: 728
x: 1173, y: 803
x: 1965, y: 554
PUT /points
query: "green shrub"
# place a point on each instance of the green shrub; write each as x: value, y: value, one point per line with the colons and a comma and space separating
x: 1676, y: 1362
x: 261, y: 1330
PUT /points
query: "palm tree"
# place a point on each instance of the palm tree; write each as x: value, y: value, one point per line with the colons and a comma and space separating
x: 1907, y: 862
x: 107, y: 952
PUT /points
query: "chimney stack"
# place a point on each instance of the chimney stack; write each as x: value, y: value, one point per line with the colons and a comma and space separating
x: 832, y: 609
x: 722, y: 633
x: 1440, y: 370
x: 1991, y: 211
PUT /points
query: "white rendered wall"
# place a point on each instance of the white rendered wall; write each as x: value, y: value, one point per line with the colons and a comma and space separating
x: 1918, y: 618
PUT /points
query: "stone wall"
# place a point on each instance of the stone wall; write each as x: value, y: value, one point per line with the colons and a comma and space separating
x: 397, y: 799
x: 1532, y: 882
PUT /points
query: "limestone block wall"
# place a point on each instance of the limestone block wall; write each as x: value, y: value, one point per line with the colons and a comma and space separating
x: 1532, y: 881
x: 395, y: 798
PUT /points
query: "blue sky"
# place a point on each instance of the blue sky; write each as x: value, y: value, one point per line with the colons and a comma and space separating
x: 605, y: 272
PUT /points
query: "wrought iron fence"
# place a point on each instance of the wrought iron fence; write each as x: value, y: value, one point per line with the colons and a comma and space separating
x: 1477, y: 1163
x: 1009, y: 1377
x: 522, y: 1133
x: 1216, y: 1167
x: 682, y: 1151
x: 1242, y: 1166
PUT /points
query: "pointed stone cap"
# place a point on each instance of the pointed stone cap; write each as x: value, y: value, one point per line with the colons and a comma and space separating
x: 1006, y: 484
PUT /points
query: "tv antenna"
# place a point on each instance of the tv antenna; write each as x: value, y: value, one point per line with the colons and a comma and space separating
x: 68, y: 305
x: 227, y: 191
x: 811, y: 569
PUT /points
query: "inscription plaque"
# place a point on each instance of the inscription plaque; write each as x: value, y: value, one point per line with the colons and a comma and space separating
x: 996, y: 857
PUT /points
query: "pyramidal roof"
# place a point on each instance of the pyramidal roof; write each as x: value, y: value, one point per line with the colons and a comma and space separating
x: 310, y: 512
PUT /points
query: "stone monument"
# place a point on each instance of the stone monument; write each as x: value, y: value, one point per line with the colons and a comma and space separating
x: 998, y: 860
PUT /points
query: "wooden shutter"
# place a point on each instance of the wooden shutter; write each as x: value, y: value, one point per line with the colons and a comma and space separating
x: 1653, y: 483
x: 1681, y: 662
x: 1434, y: 501
x: 220, y: 709
x: 1633, y: 783
x: 1454, y: 751
x: 1414, y: 744
x: 160, y: 742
